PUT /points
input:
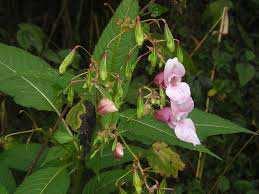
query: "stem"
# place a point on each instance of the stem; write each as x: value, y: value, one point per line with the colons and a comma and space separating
x: 45, y: 143
x: 232, y: 161
x: 201, y: 160
x: 21, y: 132
x: 205, y: 37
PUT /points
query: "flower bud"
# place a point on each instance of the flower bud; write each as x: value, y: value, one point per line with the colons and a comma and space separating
x: 106, y: 106
x: 70, y: 96
x: 103, y: 67
x: 118, y: 93
x: 67, y: 61
x: 140, y: 106
x: 169, y: 38
x: 159, y: 80
x: 162, y: 97
x: 179, y: 54
x: 118, y: 151
x: 152, y: 58
x: 164, y: 114
x: 137, y: 183
x: 139, y: 34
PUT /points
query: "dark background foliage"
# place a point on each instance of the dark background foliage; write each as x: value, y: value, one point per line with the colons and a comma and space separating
x: 67, y: 23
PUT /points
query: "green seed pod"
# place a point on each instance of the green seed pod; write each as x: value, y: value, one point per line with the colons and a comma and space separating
x: 88, y: 82
x: 67, y: 61
x: 140, y: 106
x: 70, y: 96
x: 162, y: 97
x: 179, y: 54
x: 118, y: 93
x: 103, y: 67
x: 139, y: 34
x: 152, y: 58
x: 129, y: 69
x: 137, y: 183
x: 169, y: 38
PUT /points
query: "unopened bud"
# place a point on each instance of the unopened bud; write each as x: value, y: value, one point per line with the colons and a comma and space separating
x: 179, y: 54
x: 152, y: 58
x: 139, y: 34
x: 137, y: 183
x: 118, y: 93
x: 106, y: 106
x: 70, y: 96
x: 140, y: 106
x: 67, y: 61
x: 159, y: 80
x: 169, y: 38
x: 162, y: 97
x: 118, y: 151
x: 103, y: 67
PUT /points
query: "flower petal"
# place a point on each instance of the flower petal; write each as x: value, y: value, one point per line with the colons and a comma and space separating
x: 178, y: 93
x: 182, y: 110
x: 173, y: 70
x: 185, y: 131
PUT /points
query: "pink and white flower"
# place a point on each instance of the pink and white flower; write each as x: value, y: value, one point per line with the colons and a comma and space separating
x: 181, y: 102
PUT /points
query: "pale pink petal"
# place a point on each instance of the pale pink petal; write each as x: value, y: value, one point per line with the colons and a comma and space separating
x: 185, y: 131
x: 178, y: 93
x: 159, y: 79
x: 106, y: 106
x: 164, y: 114
x: 182, y: 110
x: 173, y: 71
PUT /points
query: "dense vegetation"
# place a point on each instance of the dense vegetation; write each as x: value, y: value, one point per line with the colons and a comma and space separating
x: 60, y: 62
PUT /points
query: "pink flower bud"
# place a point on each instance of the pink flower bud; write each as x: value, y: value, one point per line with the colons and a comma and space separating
x: 118, y: 151
x: 164, y: 114
x: 159, y: 80
x: 106, y: 106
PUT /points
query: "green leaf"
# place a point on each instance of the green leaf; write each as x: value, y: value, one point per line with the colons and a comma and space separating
x: 245, y: 73
x: 29, y: 79
x: 50, y: 180
x: 73, y: 117
x: 223, y: 184
x: 3, y: 190
x: 7, y: 180
x: 104, y: 182
x: 58, y: 154
x: 208, y: 124
x: 156, y: 9
x: 30, y: 35
x: 165, y: 161
x: 147, y: 130
x: 61, y: 135
x: 105, y: 158
x: 20, y: 156
x: 117, y: 52
x: 51, y: 56
x: 215, y: 9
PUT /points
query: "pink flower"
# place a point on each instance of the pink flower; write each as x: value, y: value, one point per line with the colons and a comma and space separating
x: 159, y: 80
x: 164, y: 114
x: 106, y: 106
x: 180, y: 99
x: 181, y: 111
x: 185, y: 131
x: 178, y: 93
x: 118, y: 151
x: 173, y: 72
